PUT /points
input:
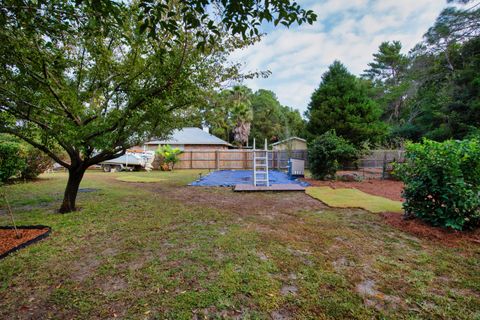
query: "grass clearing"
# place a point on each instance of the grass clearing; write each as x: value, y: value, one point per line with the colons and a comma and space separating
x: 139, y: 179
x: 353, y: 198
x: 173, y: 252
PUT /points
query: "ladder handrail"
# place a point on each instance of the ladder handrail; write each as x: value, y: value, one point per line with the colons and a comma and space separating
x: 265, y: 172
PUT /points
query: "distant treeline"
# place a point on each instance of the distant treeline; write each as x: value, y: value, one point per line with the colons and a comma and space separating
x: 432, y: 92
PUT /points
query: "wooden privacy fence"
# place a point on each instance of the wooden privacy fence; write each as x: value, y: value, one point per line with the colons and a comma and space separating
x: 243, y: 159
x: 234, y: 159
x: 381, y: 158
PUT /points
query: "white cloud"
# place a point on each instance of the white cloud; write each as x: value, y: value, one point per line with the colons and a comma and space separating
x: 347, y: 31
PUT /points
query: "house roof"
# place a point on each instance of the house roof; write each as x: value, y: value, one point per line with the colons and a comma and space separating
x: 191, y: 136
x: 292, y: 138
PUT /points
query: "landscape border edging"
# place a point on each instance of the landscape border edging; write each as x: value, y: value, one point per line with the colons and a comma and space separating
x: 27, y: 243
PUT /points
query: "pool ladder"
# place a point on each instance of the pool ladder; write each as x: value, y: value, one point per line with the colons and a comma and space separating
x: 260, y: 166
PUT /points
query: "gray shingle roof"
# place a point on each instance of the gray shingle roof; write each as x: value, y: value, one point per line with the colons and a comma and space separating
x: 190, y: 136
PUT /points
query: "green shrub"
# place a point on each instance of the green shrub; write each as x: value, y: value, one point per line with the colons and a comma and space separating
x: 169, y: 156
x: 442, y: 182
x: 36, y: 162
x: 326, y: 153
x: 11, y: 160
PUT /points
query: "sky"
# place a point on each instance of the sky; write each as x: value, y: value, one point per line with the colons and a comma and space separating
x: 346, y: 30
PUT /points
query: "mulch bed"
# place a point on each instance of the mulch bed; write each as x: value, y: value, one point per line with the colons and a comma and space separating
x: 423, y: 230
x: 29, y: 234
x: 390, y: 189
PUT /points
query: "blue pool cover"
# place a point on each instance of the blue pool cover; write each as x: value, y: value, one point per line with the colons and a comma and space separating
x: 230, y: 178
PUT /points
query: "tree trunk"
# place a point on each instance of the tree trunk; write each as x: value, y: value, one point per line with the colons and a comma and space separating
x: 75, y: 176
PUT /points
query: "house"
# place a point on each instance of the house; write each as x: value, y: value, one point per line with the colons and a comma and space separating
x: 293, y: 143
x: 189, y: 138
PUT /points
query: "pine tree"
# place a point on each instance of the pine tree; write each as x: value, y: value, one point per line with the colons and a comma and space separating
x: 388, y: 70
x: 343, y: 102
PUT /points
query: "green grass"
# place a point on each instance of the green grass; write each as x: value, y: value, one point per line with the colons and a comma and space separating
x: 165, y: 251
x: 353, y: 198
x: 171, y: 178
x: 139, y: 179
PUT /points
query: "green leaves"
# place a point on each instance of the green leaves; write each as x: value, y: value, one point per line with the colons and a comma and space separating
x: 327, y: 152
x: 437, y: 97
x: 272, y: 121
x: 238, y: 17
x: 12, y: 161
x: 442, y: 182
x: 169, y: 155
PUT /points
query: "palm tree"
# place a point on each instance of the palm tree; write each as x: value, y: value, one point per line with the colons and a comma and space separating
x: 242, y: 114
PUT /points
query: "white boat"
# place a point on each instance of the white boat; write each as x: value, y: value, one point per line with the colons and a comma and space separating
x: 130, y: 161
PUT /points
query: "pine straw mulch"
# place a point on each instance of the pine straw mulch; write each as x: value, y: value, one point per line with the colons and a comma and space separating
x: 421, y: 229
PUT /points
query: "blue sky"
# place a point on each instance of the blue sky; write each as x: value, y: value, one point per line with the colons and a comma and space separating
x: 347, y: 30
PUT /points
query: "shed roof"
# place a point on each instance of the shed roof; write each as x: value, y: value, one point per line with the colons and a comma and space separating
x: 191, y: 135
x: 286, y: 140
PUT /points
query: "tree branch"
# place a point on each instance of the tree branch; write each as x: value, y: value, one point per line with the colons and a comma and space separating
x: 57, y: 97
x: 105, y: 155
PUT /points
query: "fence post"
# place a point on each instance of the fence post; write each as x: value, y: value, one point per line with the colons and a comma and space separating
x: 384, y: 166
x: 217, y: 160
x: 191, y: 159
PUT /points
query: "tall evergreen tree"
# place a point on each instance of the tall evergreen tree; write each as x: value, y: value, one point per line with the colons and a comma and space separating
x: 343, y: 102
x: 388, y: 63
x: 388, y: 71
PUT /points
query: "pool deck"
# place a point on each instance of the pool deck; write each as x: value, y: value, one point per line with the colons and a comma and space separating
x: 273, y: 187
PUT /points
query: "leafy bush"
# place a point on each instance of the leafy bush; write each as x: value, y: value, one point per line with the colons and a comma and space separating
x: 326, y: 153
x: 169, y: 156
x: 36, y: 162
x: 442, y: 182
x: 11, y: 160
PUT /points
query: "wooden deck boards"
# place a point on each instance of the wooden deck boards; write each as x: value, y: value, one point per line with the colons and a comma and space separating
x: 274, y: 187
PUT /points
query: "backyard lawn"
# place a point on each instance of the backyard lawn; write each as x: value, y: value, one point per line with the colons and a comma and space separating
x: 162, y: 249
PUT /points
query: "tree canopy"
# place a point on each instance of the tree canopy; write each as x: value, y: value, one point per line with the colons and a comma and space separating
x: 388, y: 72
x: 272, y: 121
x: 343, y: 103
x: 267, y: 118
x: 435, y: 93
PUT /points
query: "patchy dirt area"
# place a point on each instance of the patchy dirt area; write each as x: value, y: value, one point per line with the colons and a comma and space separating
x: 390, y: 189
x: 243, y: 203
x: 275, y: 205
x: 8, y: 239
x: 423, y: 230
